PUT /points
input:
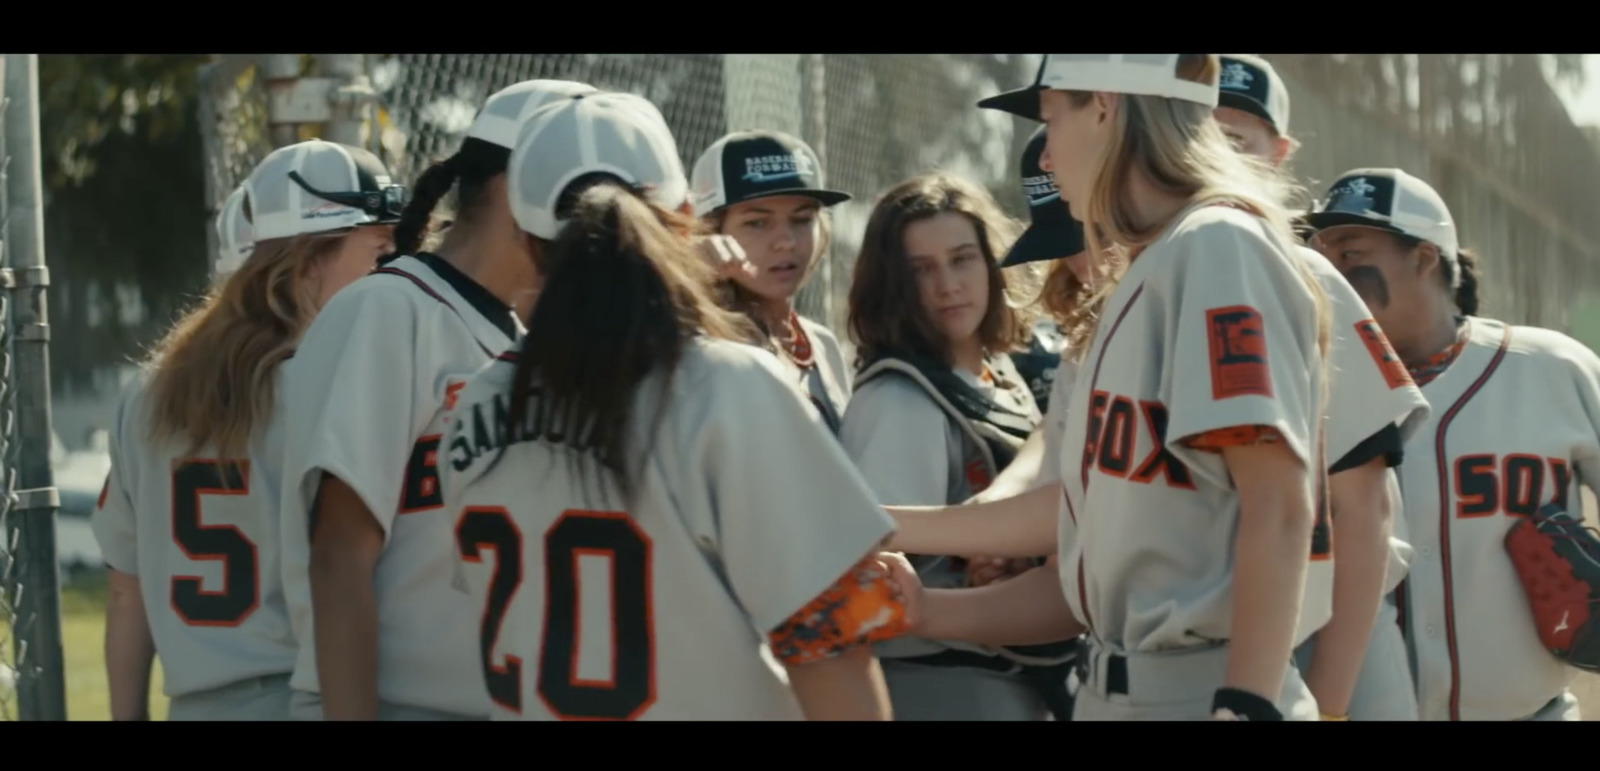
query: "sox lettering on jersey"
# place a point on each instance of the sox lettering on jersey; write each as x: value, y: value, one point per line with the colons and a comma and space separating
x: 1109, y: 445
x: 1488, y: 484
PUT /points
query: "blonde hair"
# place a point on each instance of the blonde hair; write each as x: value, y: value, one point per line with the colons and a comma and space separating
x: 213, y: 381
x: 1178, y: 146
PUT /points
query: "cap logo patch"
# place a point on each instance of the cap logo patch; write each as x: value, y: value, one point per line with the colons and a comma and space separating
x: 1354, y: 195
x: 1236, y: 77
x: 1041, y: 189
x: 770, y: 168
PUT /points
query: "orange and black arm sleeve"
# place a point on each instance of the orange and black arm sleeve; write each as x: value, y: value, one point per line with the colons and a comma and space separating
x: 858, y: 609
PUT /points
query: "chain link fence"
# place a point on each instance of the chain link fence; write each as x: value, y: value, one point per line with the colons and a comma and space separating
x: 873, y: 119
x: 1510, y: 163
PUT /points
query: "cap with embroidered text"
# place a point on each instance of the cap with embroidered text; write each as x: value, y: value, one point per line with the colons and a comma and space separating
x: 320, y: 187
x: 1249, y: 83
x: 1052, y: 232
x: 1391, y: 200
x: 746, y: 165
x: 623, y: 135
x: 1141, y: 74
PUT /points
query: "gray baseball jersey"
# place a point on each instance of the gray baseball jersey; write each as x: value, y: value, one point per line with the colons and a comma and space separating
x: 1368, y: 386
x: 744, y: 511
x: 202, y: 537
x: 378, y: 368
x: 1516, y: 425
x: 827, y: 383
x: 914, y: 452
x: 1147, y: 540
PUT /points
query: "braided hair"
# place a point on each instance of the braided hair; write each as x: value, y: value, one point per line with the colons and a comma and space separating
x: 469, y: 172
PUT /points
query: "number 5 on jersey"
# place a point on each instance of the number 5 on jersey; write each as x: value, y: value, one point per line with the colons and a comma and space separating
x: 192, y: 480
x: 610, y: 539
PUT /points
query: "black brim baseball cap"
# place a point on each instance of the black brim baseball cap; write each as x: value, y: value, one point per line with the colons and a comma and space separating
x: 1052, y: 233
x: 747, y: 165
x: 1023, y: 102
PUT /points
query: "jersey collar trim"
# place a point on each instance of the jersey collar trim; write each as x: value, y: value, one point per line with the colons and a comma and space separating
x: 482, y: 300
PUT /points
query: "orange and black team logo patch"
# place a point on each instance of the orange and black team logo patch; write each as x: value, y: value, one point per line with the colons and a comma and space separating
x: 1394, y: 370
x: 1238, y: 342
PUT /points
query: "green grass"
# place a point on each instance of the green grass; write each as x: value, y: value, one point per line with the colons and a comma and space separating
x: 83, y: 631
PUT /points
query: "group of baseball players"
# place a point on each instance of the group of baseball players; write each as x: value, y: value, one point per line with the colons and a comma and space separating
x: 573, y: 454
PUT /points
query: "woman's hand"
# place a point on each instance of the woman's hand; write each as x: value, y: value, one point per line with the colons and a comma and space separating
x: 724, y: 254
x: 908, y: 587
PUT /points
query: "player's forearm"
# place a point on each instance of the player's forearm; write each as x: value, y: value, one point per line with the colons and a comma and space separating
x: 1271, y: 551
x: 1019, y: 526
x: 1361, y: 525
x: 846, y: 687
x: 345, y: 618
x: 345, y: 545
x: 1018, y: 477
x: 1026, y: 610
x: 130, y: 649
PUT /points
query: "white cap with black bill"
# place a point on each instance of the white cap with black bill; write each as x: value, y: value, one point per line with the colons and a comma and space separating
x: 235, y: 238
x: 1390, y: 200
x: 1052, y: 233
x: 1250, y: 84
x: 320, y: 187
x: 618, y: 134
x: 1140, y: 74
x: 746, y: 165
x: 506, y: 110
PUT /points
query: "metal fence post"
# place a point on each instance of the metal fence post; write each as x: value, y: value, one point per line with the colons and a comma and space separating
x: 285, y: 104
x: 351, y: 100
x: 41, y: 681
x: 815, y: 98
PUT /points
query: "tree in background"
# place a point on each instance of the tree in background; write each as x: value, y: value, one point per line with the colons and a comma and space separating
x: 124, y: 198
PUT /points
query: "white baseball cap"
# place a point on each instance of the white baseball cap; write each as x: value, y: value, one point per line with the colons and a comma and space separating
x: 1249, y: 83
x: 1142, y: 74
x: 507, y: 109
x: 235, y: 239
x: 319, y: 187
x: 1389, y: 200
x: 613, y: 133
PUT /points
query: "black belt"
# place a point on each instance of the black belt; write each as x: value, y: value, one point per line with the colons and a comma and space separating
x: 955, y: 658
x: 1116, y: 672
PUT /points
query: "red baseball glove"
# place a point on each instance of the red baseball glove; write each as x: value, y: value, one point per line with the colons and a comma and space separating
x: 1558, y: 560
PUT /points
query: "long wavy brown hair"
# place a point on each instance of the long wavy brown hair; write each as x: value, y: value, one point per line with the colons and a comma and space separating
x: 885, y: 309
x: 212, y: 384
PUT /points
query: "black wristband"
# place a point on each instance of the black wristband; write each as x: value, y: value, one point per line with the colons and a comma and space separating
x: 1246, y: 705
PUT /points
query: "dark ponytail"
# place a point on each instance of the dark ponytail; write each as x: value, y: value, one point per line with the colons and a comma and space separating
x: 471, y: 167
x: 623, y: 294
x: 1467, y: 291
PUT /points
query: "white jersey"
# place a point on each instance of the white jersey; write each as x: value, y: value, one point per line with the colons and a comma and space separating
x: 1516, y: 425
x: 1055, y: 421
x: 914, y: 452
x: 378, y: 368
x: 1210, y: 328
x: 1369, y: 389
x: 202, y: 538
x: 746, y: 510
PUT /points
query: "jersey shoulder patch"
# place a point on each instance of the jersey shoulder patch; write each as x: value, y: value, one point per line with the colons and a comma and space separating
x: 1383, y: 356
x: 1238, y: 344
